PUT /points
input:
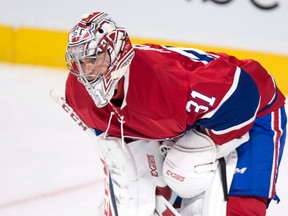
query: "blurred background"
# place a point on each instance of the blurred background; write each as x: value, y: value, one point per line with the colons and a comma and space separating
x: 47, y: 165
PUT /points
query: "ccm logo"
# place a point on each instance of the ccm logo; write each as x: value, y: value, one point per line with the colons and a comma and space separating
x: 74, y: 116
x: 175, y: 176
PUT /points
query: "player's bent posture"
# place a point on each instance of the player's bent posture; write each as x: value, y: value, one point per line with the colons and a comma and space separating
x: 219, y: 121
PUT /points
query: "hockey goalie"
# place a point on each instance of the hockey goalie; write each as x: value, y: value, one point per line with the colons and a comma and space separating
x: 173, y: 124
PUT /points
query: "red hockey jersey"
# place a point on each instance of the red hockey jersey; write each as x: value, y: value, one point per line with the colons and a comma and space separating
x: 169, y: 90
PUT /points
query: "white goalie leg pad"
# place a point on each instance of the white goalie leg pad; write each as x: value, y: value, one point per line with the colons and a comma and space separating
x: 214, y: 203
x: 191, y: 164
x: 135, y: 172
x: 192, y: 206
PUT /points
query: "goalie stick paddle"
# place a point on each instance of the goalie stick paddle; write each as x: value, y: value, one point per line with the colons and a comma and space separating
x: 57, y: 98
x: 110, y: 208
x: 162, y: 207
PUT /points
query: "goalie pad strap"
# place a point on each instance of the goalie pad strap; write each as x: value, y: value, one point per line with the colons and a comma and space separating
x: 222, y: 163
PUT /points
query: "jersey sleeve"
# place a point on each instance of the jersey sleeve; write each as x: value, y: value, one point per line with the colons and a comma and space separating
x: 226, y: 100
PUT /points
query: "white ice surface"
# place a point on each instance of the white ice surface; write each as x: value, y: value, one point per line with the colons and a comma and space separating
x: 48, y: 166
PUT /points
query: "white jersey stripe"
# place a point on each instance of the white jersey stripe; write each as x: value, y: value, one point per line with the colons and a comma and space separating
x: 276, y: 127
x: 228, y: 94
x: 225, y: 98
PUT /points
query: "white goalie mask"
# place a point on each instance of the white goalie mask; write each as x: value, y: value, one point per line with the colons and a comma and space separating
x: 99, y: 54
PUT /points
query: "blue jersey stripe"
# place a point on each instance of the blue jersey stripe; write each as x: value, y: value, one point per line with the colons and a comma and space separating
x: 240, y: 107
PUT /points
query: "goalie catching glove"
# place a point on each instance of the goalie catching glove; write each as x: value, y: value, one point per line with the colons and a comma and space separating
x: 192, y: 170
x: 190, y: 165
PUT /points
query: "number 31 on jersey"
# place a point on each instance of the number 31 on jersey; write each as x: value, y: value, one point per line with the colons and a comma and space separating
x: 207, y: 101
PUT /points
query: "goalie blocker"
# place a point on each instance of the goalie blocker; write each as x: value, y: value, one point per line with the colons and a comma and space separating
x: 135, y: 173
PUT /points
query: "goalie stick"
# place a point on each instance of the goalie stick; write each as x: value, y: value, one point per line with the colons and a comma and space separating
x: 162, y: 207
x: 57, y: 98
